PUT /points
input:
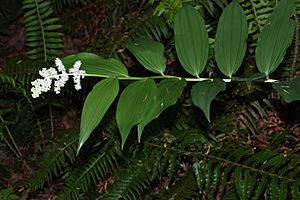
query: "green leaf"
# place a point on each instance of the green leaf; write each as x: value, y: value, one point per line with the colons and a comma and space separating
x: 290, y: 90
x: 149, y: 53
x: 276, y: 37
x: 94, y: 64
x: 204, y: 92
x: 168, y: 91
x: 191, y: 40
x: 134, y: 102
x: 295, y: 190
x: 231, y: 39
x: 95, y: 106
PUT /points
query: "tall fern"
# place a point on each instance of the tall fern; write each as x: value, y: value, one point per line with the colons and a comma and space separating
x: 153, y: 27
x: 97, y: 168
x: 8, y: 194
x: 42, y: 33
x: 265, y: 174
x: 257, y: 12
x: 129, y: 184
x: 57, y: 157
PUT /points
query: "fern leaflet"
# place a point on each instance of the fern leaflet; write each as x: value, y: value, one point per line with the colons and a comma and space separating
x: 42, y: 32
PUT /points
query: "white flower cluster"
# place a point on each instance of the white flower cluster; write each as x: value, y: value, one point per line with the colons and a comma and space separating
x: 59, y: 76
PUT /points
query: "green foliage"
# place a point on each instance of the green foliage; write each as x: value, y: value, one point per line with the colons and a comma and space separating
x: 133, y: 105
x: 7, y: 79
x: 149, y: 53
x: 252, y: 112
x: 57, y: 157
x: 97, y: 168
x: 151, y: 162
x: 8, y: 194
x: 137, y: 99
x: 168, y: 8
x: 94, y: 64
x: 42, y: 33
x: 231, y: 39
x: 129, y: 184
x: 191, y: 40
x: 180, y: 137
x: 276, y: 37
x: 256, y: 175
x: 204, y: 92
x: 93, y: 111
x: 160, y: 162
x: 168, y: 91
x: 153, y: 27
x: 257, y: 13
x: 24, y: 71
x: 289, y: 90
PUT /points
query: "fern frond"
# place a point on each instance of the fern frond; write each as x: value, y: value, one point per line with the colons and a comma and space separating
x: 8, y: 194
x: 60, y: 4
x: 183, y: 188
x: 10, y: 85
x: 257, y: 12
x: 233, y: 170
x: 255, y: 175
x: 7, y: 79
x: 42, y: 33
x: 153, y: 27
x: 253, y: 113
x: 291, y: 63
x: 129, y: 184
x: 159, y: 162
x: 58, y: 156
x: 97, y: 168
x: 25, y: 71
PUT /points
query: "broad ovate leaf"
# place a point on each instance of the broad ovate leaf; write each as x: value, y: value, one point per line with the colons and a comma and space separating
x: 94, y: 64
x: 149, y: 53
x: 168, y: 91
x: 134, y: 102
x: 276, y: 37
x: 231, y: 39
x: 191, y: 40
x: 95, y: 106
x: 204, y: 92
x: 290, y: 90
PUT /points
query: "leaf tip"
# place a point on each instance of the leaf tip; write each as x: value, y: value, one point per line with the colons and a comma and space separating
x: 122, y: 144
x: 79, y: 147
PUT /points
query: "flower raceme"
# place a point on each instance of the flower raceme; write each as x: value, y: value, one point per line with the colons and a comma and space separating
x: 59, y: 76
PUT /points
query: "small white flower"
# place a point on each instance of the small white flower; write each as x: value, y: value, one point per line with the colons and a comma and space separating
x: 60, y: 82
x: 77, y: 74
x: 48, y: 73
x: 60, y: 66
x: 59, y: 76
x: 39, y: 86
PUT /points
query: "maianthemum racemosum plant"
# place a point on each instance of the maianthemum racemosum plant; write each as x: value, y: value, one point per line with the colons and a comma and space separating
x: 144, y: 100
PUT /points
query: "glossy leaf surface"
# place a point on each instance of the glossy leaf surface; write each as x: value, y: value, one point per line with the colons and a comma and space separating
x: 149, y: 53
x: 231, y: 39
x: 290, y: 90
x: 168, y: 91
x: 191, y: 40
x: 95, y: 106
x: 204, y: 92
x: 134, y: 102
x: 276, y: 37
x: 94, y: 64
